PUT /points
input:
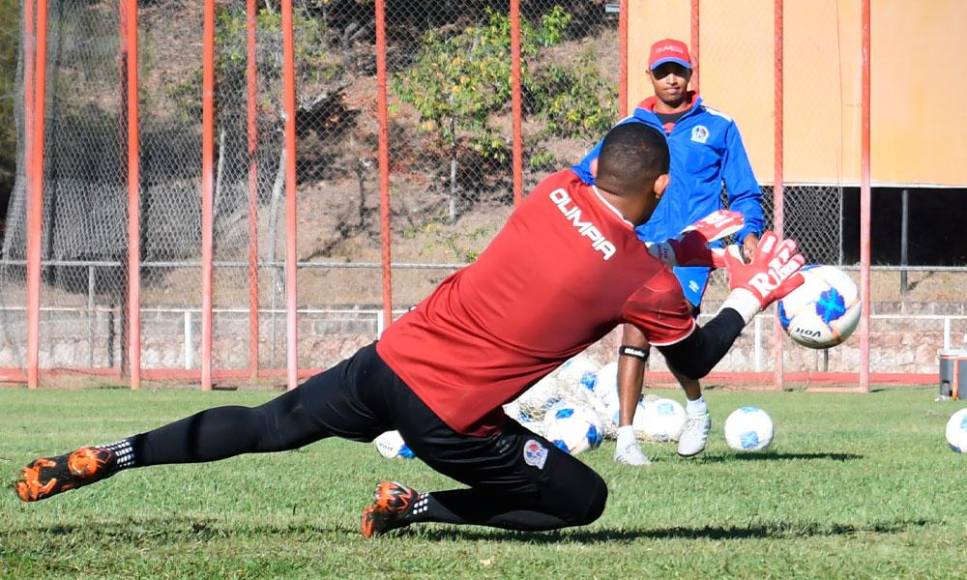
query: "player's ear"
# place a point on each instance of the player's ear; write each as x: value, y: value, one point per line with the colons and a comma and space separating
x: 594, y: 167
x: 661, y: 184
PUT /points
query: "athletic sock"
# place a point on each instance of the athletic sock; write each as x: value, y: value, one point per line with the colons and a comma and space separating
x: 696, y: 408
x: 124, y: 457
x: 468, y: 506
x: 427, y: 509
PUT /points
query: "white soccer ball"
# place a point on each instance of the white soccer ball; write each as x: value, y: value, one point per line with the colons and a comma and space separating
x: 660, y: 419
x: 391, y: 446
x: 824, y: 311
x: 749, y: 429
x: 957, y: 431
x: 573, y: 428
x: 606, y: 386
x: 579, y: 371
x: 535, y: 401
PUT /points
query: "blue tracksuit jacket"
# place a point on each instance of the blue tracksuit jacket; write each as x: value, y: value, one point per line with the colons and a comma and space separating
x: 706, y: 150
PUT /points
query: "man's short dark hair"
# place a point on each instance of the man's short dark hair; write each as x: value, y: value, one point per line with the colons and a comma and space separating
x: 632, y: 154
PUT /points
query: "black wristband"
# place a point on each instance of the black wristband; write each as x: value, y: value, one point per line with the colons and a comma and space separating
x: 634, y: 352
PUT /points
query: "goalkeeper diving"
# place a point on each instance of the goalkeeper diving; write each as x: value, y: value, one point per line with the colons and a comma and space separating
x: 565, y: 270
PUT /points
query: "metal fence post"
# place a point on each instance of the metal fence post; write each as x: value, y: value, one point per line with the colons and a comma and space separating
x: 90, y: 316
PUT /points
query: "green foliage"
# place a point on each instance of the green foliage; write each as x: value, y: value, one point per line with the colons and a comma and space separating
x: 856, y: 486
x: 458, y: 81
x: 9, y: 46
x: 542, y: 160
x: 574, y: 100
x: 315, y: 63
x: 464, y: 245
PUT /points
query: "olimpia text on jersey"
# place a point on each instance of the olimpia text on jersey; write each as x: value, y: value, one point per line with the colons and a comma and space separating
x: 587, y: 229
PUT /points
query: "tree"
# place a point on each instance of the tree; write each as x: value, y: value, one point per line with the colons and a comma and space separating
x: 9, y: 47
x: 457, y: 82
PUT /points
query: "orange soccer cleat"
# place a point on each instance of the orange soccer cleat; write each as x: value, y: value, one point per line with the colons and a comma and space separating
x: 390, y: 509
x: 45, y: 476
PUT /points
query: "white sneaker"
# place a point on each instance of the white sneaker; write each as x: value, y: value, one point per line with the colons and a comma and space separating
x: 695, y: 435
x: 631, y: 455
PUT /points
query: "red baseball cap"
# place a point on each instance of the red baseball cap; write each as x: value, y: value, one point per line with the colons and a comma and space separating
x: 669, y: 50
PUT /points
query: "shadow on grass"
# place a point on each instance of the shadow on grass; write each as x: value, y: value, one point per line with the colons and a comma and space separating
x: 607, y: 535
x: 168, y: 530
x: 777, y: 456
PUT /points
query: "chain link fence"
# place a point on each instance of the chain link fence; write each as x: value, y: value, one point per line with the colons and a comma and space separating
x: 450, y: 138
x: 13, y: 297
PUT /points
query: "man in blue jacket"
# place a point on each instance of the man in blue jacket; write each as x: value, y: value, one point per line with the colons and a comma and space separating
x: 706, y: 151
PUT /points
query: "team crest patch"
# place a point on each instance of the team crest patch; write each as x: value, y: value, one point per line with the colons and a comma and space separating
x: 699, y: 134
x: 535, y: 454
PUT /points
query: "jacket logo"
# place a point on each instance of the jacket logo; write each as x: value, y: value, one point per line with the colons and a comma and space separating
x: 587, y: 229
x: 699, y: 134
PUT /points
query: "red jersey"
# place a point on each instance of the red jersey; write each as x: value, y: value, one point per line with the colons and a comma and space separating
x: 562, y: 273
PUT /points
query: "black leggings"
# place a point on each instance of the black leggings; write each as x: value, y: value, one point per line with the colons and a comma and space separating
x: 518, y: 480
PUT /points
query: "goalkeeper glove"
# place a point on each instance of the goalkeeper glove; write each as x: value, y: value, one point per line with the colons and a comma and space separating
x: 772, y: 273
x: 690, y: 248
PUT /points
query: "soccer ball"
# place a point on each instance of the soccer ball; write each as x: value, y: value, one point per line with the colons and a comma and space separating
x: 824, y: 311
x: 391, y: 446
x: 534, y: 403
x: 660, y: 420
x: 749, y: 429
x: 606, y: 386
x: 573, y: 428
x: 957, y: 431
x: 580, y: 370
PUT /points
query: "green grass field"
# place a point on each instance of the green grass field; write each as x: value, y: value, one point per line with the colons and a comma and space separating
x: 854, y: 486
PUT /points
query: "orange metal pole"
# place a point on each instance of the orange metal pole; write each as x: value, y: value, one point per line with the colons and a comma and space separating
x: 30, y: 47
x: 384, y: 197
x: 778, y: 191
x: 129, y: 16
x: 517, y: 109
x: 288, y: 87
x: 207, y: 192
x: 696, y: 36
x: 30, y: 64
x: 35, y: 201
x: 865, y: 200
x: 253, y: 223
x: 623, y: 66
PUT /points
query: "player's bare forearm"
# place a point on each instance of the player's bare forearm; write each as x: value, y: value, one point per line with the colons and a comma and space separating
x: 630, y: 372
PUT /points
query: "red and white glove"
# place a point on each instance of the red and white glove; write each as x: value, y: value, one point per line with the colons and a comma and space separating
x: 690, y: 248
x: 772, y: 273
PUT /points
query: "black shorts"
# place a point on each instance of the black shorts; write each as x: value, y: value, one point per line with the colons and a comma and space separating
x: 362, y: 397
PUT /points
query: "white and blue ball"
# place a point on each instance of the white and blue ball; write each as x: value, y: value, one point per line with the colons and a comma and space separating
x: 573, y: 428
x: 957, y: 431
x: 660, y: 420
x: 391, y: 446
x: 749, y: 429
x: 824, y: 311
x: 606, y: 386
x: 535, y: 401
x: 579, y: 371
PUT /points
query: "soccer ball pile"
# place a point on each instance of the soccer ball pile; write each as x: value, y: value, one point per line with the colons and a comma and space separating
x: 824, y: 311
x: 591, y: 389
